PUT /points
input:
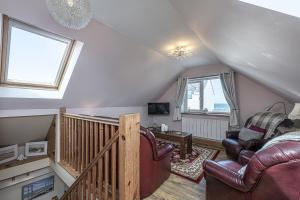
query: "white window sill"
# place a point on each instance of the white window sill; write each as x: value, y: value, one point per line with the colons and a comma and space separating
x: 207, y: 114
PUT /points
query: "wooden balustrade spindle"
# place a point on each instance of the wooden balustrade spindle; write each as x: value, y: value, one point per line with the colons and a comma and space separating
x: 72, y: 144
x: 82, y: 145
x: 100, y: 163
x: 91, y: 141
x: 79, y: 146
x: 76, y: 145
x: 87, y: 143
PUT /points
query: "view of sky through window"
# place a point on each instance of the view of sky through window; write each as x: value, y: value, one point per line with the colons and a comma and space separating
x: 34, y: 58
x: 213, y: 99
x: 289, y: 7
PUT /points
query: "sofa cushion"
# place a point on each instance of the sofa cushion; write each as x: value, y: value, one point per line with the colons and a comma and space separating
x: 247, y: 135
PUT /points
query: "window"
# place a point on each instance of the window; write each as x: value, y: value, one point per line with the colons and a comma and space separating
x: 289, y: 7
x: 32, y: 57
x: 205, y: 95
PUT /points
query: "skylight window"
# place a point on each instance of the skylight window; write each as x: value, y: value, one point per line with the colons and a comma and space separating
x: 289, y: 7
x: 32, y: 57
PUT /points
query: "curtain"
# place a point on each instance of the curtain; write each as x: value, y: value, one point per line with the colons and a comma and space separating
x: 228, y: 84
x: 181, y: 87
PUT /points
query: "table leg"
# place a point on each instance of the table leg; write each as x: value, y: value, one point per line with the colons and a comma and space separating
x: 182, y: 150
x: 190, y: 145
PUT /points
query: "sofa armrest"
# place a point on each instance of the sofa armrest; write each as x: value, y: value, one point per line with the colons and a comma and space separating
x: 164, y: 151
x: 225, y: 175
x: 245, y: 156
x: 232, y: 134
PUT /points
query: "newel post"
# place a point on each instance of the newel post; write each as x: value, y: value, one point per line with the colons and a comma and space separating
x: 129, y: 157
x: 62, y: 111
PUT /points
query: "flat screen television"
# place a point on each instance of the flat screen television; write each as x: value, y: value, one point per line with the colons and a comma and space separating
x: 158, y: 108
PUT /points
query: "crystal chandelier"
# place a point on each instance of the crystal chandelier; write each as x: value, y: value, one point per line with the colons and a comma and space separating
x: 180, y: 52
x: 74, y: 14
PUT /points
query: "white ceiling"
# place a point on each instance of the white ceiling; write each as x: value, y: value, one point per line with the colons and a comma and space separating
x: 124, y: 62
x: 155, y: 24
x: 260, y: 43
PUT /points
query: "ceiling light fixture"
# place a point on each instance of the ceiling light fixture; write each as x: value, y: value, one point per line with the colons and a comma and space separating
x: 180, y: 52
x: 73, y: 14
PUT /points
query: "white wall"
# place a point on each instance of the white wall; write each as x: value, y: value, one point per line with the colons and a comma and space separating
x: 19, y: 130
x: 15, y: 192
x: 113, y: 112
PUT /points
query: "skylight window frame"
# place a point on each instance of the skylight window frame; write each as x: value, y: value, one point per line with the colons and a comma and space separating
x: 7, y: 24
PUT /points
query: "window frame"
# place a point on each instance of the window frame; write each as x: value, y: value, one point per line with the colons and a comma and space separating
x: 201, y: 100
x: 7, y: 24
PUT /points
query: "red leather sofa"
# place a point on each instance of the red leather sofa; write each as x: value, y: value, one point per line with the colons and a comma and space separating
x: 273, y: 173
x: 155, y: 165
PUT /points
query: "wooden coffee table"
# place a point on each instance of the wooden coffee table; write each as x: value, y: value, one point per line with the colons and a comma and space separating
x: 184, y: 139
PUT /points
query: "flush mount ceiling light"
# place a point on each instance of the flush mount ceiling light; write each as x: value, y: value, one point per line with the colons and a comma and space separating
x: 180, y: 52
x: 73, y: 14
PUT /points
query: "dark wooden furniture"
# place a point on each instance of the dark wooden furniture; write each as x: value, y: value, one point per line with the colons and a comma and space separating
x: 184, y: 139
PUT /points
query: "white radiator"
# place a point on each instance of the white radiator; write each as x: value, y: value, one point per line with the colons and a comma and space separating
x: 213, y: 128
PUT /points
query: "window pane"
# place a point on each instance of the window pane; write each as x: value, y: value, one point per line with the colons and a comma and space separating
x: 214, y: 99
x: 193, y: 96
x: 34, y: 58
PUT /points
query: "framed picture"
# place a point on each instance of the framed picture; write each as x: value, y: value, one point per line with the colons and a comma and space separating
x: 8, y: 153
x: 38, y: 188
x: 36, y: 148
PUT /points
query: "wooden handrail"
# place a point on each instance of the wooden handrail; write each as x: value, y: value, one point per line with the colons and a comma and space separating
x: 100, y: 155
x: 107, y: 120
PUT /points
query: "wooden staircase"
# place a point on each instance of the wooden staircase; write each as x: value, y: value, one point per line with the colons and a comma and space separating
x: 105, y: 154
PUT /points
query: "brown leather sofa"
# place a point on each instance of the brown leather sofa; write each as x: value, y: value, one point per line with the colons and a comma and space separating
x: 155, y: 165
x: 273, y: 173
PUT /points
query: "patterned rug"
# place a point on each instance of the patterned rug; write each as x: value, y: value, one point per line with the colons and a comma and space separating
x: 191, y: 167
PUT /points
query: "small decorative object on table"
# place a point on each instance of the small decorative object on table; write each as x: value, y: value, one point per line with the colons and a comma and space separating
x: 8, y: 153
x: 21, y: 157
x: 164, y: 127
x: 36, y: 148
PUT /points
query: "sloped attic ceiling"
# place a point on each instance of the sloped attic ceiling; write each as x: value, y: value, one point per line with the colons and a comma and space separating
x: 260, y: 43
x: 112, y: 70
x: 19, y: 130
x: 124, y: 62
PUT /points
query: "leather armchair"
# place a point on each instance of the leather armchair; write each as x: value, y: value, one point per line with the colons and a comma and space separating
x: 233, y: 147
x: 273, y: 173
x: 155, y: 165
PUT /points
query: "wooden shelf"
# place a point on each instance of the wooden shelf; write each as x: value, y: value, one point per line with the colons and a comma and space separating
x: 21, y: 162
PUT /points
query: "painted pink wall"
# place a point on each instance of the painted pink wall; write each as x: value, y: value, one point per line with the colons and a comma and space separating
x: 252, y: 96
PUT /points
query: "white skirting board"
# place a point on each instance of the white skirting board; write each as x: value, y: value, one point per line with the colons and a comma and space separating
x: 209, y: 127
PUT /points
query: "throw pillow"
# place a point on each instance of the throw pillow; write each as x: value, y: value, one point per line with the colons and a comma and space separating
x: 247, y: 134
x: 258, y: 129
